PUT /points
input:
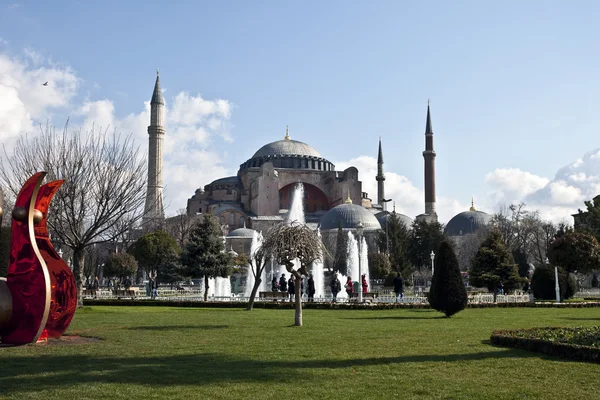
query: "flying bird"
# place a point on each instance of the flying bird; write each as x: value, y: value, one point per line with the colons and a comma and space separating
x: 45, y: 84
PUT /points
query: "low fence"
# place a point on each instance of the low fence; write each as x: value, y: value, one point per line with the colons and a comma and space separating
x: 197, y: 295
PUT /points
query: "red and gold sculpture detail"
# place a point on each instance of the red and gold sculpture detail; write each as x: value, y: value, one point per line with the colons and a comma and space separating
x: 39, y: 295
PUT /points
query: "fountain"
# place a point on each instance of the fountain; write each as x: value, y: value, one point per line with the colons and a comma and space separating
x: 319, y: 275
x: 219, y: 287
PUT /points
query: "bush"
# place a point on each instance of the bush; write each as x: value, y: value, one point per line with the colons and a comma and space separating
x: 574, y: 343
x: 379, y: 265
x: 448, y: 293
x: 542, y: 283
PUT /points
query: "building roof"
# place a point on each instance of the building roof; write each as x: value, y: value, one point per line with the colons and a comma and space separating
x: 241, y: 233
x: 286, y: 147
x: 227, y: 180
x: 384, y: 216
x: 467, y: 222
x: 347, y: 216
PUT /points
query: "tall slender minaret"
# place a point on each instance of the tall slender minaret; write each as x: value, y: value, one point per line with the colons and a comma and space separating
x: 429, y: 156
x: 380, y: 179
x: 154, y: 202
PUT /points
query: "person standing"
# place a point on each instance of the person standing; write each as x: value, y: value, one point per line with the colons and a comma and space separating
x: 398, y: 287
x: 349, y: 287
x: 283, y: 284
x: 274, y: 287
x: 311, y: 289
x: 365, y: 285
x: 335, y: 286
x: 291, y: 287
x: 153, y: 286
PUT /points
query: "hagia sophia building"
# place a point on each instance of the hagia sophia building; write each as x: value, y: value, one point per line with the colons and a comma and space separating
x: 260, y: 194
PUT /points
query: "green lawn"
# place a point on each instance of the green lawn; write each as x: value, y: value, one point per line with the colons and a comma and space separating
x: 184, y: 353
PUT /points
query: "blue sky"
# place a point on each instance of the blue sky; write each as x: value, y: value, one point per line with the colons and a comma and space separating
x: 513, y: 85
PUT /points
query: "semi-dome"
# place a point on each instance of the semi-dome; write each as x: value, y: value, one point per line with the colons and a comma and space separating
x: 467, y: 222
x: 347, y: 216
x: 241, y: 233
x: 384, y: 216
x: 287, y: 147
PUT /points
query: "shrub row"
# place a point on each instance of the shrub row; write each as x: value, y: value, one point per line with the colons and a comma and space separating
x: 321, y: 306
x: 558, y: 342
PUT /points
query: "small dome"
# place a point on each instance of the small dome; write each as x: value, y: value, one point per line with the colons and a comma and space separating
x: 384, y: 216
x: 348, y: 216
x: 230, y: 180
x: 286, y: 147
x: 241, y: 233
x: 467, y: 222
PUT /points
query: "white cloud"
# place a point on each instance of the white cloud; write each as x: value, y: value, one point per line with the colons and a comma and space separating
x: 510, y: 185
x: 409, y: 199
x: 191, y: 122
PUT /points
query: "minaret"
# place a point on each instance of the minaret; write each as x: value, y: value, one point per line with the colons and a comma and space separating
x: 156, y: 132
x: 380, y: 179
x: 429, y: 156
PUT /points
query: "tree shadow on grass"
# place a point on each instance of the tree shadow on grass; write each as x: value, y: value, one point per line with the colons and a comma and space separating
x: 177, y: 327
x: 402, y: 317
x: 24, y: 374
x: 580, y: 318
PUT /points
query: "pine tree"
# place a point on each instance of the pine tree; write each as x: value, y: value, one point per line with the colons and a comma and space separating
x: 493, y: 265
x: 205, y: 254
x: 447, y: 293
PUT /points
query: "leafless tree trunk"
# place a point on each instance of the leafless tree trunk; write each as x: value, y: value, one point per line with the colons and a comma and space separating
x: 258, y: 261
x: 298, y: 303
x: 205, y: 287
x: 103, y: 195
x: 180, y: 226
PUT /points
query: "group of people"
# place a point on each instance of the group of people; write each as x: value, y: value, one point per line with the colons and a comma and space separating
x: 289, y: 286
x: 336, y: 286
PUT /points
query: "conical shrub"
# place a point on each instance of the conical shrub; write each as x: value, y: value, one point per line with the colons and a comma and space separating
x: 447, y: 293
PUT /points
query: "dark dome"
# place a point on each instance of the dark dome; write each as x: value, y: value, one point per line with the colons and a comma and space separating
x: 467, y: 222
x: 349, y: 215
x: 230, y: 180
x: 384, y: 216
x: 242, y: 233
x: 287, y: 147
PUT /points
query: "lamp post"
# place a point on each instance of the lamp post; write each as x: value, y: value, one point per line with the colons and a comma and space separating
x: 359, y: 231
x: 432, y: 255
x: 556, y: 286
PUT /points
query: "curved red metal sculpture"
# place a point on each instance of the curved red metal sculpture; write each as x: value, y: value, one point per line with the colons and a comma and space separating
x: 42, y: 294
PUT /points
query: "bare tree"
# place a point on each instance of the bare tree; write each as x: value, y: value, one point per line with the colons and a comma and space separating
x: 468, y: 246
x: 294, y: 241
x: 258, y: 262
x: 180, y: 226
x: 103, y: 195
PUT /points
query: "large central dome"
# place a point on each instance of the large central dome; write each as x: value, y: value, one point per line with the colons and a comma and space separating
x: 286, y: 147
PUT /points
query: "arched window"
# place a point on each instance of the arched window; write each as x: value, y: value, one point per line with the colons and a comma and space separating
x: 242, y: 220
x: 222, y: 220
x: 232, y: 219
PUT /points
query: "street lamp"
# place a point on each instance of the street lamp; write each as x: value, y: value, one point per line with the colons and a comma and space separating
x: 556, y: 286
x: 359, y: 231
x: 432, y: 255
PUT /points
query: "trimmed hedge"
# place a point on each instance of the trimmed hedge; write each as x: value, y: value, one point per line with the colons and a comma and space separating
x: 582, y: 343
x: 321, y: 306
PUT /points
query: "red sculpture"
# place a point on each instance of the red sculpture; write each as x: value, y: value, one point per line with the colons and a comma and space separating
x: 42, y: 294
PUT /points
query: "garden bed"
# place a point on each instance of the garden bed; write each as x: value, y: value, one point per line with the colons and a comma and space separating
x: 580, y: 343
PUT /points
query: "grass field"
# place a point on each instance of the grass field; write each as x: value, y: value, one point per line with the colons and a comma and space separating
x: 183, y: 353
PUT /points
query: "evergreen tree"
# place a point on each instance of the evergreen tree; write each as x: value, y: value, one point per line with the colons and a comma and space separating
x: 204, y: 253
x: 393, y: 240
x: 154, y: 251
x: 379, y: 265
x: 543, y: 283
x: 447, y: 293
x: 575, y: 251
x: 120, y: 265
x: 424, y: 238
x: 493, y: 265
